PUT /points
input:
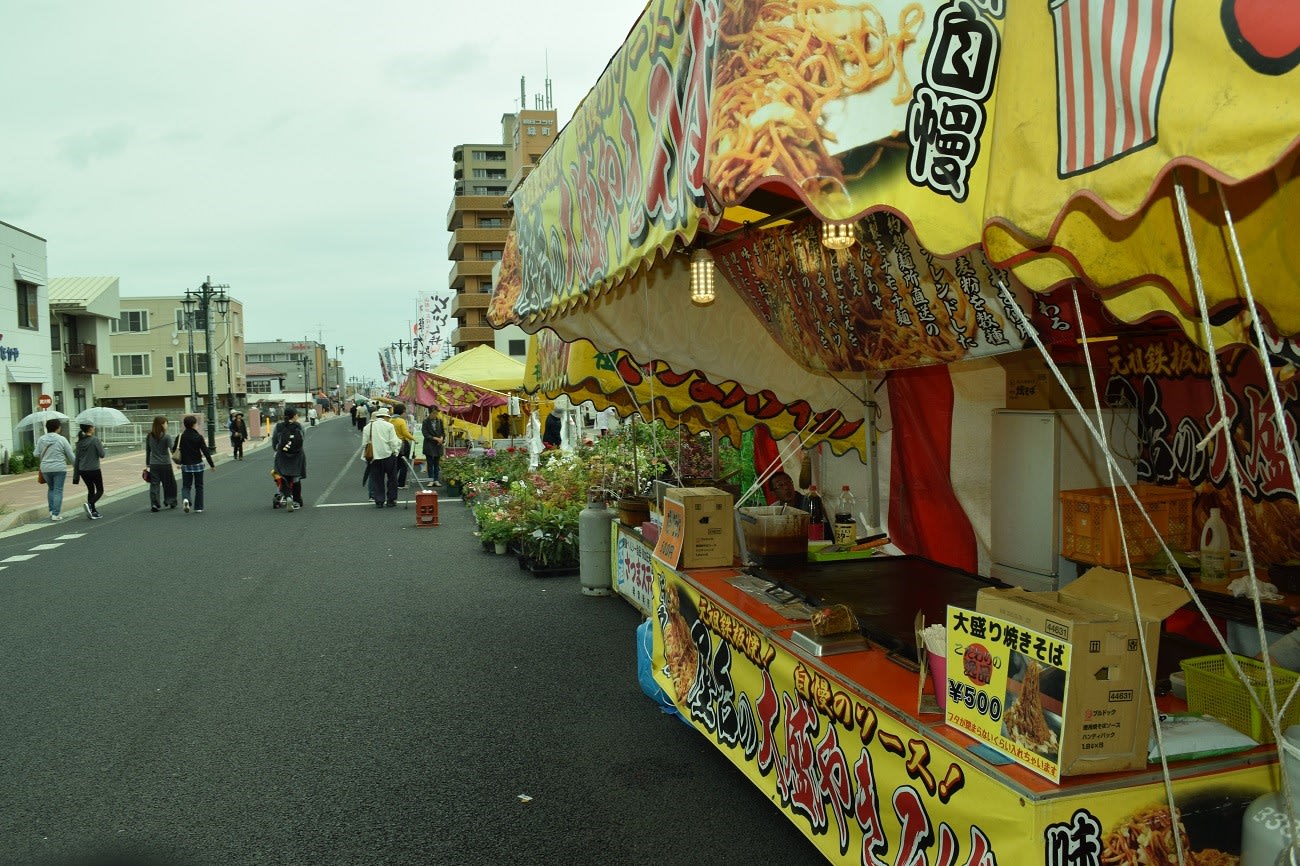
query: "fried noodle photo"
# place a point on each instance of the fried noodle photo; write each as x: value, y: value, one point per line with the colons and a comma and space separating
x: 679, y: 650
x: 1146, y: 838
x: 1025, y: 723
x: 781, y: 63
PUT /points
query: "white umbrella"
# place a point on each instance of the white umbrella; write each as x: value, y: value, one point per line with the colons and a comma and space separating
x: 102, y: 416
x: 37, y: 420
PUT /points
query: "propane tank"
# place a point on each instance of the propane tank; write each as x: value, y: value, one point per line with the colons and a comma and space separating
x: 1267, y: 826
x: 593, y: 546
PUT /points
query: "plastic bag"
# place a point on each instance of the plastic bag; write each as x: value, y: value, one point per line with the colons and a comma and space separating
x: 645, y: 673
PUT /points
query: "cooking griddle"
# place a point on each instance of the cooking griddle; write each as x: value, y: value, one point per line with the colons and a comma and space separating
x: 885, y: 593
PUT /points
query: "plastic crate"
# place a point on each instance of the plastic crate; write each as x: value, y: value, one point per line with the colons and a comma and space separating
x: 1214, y: 690
x: 1090, y: 530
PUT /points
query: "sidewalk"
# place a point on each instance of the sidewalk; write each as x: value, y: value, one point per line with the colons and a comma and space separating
x: 22, y: 500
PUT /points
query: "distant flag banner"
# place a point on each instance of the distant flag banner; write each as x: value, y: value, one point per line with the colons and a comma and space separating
x: 383, y: 367
x: 1111, y: 60
x: 427, y: 332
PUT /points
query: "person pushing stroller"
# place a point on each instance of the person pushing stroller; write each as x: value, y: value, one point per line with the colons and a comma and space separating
x: 290, y: 460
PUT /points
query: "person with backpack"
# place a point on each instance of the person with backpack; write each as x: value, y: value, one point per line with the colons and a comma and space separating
x: 290, y: 459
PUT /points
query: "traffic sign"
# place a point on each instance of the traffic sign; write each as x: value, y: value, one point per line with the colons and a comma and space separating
x: 44, y: 401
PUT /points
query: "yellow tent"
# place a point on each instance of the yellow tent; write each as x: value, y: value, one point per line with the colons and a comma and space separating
x: 483, y: 366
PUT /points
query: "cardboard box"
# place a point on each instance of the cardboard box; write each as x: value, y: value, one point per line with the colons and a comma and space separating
x: 709, y: 529
x: 1031, y: 385
x: 1107, y: 714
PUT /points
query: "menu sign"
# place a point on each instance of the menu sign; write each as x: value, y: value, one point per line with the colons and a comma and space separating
x: 1007, y: 686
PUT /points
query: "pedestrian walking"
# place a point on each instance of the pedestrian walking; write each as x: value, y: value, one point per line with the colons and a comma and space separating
x: 238, y: 435
x: 290, y: 458
x: 382, y: 470
x: 54, y: 453
x: 311, y: 415
x: 434, y: 434
x: 407, y: 439
x: 193, y: 450
x: 158, y: 460
x: 86, y: 467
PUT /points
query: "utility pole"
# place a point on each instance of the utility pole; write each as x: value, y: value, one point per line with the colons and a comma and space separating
x: 338, y: 372
x: 202, y: 298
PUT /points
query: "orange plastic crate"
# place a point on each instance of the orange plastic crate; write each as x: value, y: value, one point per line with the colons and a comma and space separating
x: 1090, y: 526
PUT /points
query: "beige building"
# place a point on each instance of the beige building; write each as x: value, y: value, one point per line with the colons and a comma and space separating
x: 479, y: 221
x: 151, y: 363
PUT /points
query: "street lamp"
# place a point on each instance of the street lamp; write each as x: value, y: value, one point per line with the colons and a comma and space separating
x: 203, y: 298
x: 338, y: 372
x: 188, y: 304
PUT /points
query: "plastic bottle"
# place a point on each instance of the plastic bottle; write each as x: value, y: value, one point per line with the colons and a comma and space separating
x: 845, y: 525
x: 818, y: 523
x: 1215, y: 546
x: 1266, y: 827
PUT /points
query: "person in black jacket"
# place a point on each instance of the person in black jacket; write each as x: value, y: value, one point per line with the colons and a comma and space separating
x: 238, y: 435
x: 193, y: 450
x: 287, y: 441
x: 551, y: 433
x: 434, y: 434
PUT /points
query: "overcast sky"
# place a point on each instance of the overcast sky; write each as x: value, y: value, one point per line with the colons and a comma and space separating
x: 297, y: 150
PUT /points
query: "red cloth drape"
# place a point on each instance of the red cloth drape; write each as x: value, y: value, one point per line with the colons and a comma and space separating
x: 925, y: 517
x: 766, y: 453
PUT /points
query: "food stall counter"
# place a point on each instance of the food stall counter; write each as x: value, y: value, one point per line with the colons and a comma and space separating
x: 837, y: 744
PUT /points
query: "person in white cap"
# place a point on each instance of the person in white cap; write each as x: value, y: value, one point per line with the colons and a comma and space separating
x: 382, y: 438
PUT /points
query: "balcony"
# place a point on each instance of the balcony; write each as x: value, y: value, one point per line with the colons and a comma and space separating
x: 465, y: 302
x: 80, y: 358
x: 481, y: 238
x: 470, y: 336
x: 470, y: 268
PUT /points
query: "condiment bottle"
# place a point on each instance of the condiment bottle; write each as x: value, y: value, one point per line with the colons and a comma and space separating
x: 1267, y: 827
x: 1215, y: 546
x: 845, y: 527
x: 817, y: 520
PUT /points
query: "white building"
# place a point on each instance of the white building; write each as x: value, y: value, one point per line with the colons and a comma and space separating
x: 24, y: 334
x: 82, y: 313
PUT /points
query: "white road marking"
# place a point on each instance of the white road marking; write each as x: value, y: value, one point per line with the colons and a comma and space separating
x: 69, y: 536
x: 20, y: 557
x: 47, y: 546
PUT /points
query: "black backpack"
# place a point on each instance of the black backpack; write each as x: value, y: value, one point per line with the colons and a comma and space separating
x: 292, y: 440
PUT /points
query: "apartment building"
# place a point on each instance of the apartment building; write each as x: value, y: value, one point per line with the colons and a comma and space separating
x: 160, y: 357
x: 479, y: 220
x: 83, y: 312
x: 24, y: 334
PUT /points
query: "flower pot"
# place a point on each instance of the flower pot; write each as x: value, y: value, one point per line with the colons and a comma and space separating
x: 633, y: 510
x: 501, y: 548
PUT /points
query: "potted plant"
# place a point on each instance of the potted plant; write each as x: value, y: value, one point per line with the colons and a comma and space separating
x: 548, y: 538
x: 497, y: 528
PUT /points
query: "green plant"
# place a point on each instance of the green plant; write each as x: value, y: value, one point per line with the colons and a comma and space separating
x: 549, y: 535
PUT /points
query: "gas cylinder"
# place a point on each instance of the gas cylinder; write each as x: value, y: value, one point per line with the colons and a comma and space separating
x: 1267, y: 827
x: 593, y: 546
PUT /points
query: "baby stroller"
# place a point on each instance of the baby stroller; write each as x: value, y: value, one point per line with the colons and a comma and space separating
x: 282, y: 492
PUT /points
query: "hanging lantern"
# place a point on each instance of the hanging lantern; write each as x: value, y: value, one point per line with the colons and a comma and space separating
x: 839, y: 236
x: 702, y: 293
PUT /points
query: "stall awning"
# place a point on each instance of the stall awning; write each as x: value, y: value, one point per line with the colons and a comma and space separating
x: 707, y: 109
x: 458, y: 399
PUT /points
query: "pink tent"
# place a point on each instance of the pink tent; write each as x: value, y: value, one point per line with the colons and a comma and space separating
x: 458, y: 399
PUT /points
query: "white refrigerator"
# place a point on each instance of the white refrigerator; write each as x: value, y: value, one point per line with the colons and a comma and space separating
x: 1036, y: 455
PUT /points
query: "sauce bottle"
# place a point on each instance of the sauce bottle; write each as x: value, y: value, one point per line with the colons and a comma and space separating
x: 817, y: 519
x: 1215, y: 547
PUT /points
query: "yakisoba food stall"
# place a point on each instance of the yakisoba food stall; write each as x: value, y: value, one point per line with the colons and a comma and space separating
x: 890, y: 195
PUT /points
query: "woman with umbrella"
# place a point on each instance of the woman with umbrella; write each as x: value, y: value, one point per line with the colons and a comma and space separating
x: 86, y: 467
x: 55, y: 454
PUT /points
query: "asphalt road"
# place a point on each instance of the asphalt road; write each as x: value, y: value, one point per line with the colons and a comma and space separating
x: 336, y: 686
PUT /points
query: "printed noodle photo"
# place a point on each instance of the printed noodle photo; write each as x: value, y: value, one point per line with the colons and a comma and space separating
x: 680, y: 654
x: 1146, y: 838
x: 782, y: 64
x: 1025, y: 722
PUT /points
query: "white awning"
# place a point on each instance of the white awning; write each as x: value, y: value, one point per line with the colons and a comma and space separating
x: 25, y: 374
x: 27, y: 275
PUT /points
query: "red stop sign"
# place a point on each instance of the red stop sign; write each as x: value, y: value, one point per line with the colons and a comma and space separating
x: 44, y: 401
